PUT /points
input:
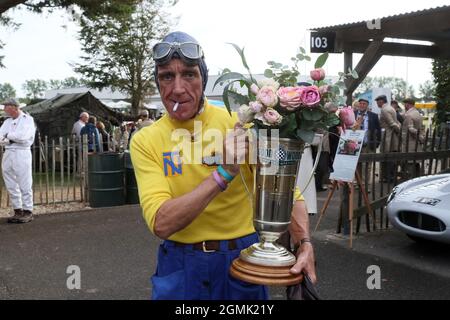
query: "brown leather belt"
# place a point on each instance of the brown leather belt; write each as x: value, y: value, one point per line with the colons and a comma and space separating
x: 209, y: 246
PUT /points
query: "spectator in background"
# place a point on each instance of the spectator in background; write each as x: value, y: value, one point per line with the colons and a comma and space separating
x: 105, y: 136
x: 92, y: 133
x: 17, y: 135
x: 77, y: 126
x: 144, y: 120
x: 333, y: 134
x: 391, y: 126
x: 412, y: 136
x: 398, y: 110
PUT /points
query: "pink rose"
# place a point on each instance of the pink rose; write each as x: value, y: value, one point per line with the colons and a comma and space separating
x: 347, y: 116
x: 317, y: 74
x: 254, y: 89
x: 290, y: 97
x: 255, y: 106
x: 267, y: 96
x: 272, y: 116
x: 310, y: 95
x: 324, y: 89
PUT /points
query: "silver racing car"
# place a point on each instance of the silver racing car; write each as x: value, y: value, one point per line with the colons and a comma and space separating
x: 420, y: 207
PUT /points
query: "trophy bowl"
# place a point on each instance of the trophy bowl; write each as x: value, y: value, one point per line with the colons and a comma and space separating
x: 267, y: 262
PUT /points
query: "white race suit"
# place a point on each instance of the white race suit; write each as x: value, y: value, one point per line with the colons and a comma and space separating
x: 17, y: 136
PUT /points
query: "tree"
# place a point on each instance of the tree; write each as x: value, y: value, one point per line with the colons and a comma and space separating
x: 441, y: 75
x: 34, y: 89
x: 397, y: 85
x: 426, y: 90
x: 70, y: 82
x: 117, y: 50
x: 87, y: 8
x: 7, y: 91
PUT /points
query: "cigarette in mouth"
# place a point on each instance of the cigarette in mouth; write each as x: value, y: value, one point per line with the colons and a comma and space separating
x: 175, y: 107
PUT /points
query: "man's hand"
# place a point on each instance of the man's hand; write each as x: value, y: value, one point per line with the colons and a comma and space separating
x: 235, y: 149
x: 4, y: 142
x: 305, y: 262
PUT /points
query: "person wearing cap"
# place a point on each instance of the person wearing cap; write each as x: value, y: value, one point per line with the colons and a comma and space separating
x: 367, y: 120
x: 412, y: 130
x: 144, y: 120
x: 200, y: 208
x: 77, y: 126
x: 391, y: 126
x: 17, y: 135
x: 398, y: 110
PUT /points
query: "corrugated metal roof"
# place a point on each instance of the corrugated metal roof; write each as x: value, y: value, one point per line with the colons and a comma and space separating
x: 393, y: 17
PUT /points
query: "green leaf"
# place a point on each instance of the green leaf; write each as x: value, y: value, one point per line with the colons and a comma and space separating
x: 241, y: 53
x: 238, y: 98
x: 288, y: 126
x: 268, y: 73
x: 306, y: 135
x: 320, y: 62
x: 307, y: 58
x: 226, y: 100
x: 230, y: 76
x: 312, y: 114
x: 302, y: 50
x: 331, y: 120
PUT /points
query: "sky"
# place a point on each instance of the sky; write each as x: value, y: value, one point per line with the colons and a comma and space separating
x: 45, y: 45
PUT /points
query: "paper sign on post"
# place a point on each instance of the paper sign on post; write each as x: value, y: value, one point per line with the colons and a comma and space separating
x: 347, y: 155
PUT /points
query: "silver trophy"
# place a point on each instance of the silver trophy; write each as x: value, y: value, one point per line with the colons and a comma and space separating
x: 273, y: 199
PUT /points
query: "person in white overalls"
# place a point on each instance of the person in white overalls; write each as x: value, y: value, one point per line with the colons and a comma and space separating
x: 17, y: 136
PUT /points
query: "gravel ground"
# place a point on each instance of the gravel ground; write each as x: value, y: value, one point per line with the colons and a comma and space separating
x: 47, y: 209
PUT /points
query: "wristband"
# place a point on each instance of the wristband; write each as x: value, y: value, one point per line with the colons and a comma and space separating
x: 222, y: 185
x: 305, y: 240
x: 225, y: 174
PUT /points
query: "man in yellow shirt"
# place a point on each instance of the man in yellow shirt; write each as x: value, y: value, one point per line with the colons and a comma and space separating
x: 200, y: 208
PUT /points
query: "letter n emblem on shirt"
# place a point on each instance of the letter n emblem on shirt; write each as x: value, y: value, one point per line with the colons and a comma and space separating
x: 172, y: 164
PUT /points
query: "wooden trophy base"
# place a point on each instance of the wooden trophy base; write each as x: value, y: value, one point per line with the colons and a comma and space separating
x: 270, y: 276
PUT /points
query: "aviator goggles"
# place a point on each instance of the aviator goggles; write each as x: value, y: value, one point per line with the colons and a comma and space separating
x: 163, y: 51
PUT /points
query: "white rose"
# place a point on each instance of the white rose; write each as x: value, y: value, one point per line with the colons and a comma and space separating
x: 245, y: 114
x: 267, y: 82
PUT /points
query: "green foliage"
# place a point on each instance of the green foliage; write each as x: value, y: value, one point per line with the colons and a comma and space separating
x: 70, y: 82
x: 398, y: 86
x: 7, y: 91
x: 34, y: 89
x: 441, y: 75
x: 427, y: 90
x: 321, y: 60
x: 117, y: 50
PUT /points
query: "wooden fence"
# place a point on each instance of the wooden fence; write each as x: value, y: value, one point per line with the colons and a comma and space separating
x: 428, y: 158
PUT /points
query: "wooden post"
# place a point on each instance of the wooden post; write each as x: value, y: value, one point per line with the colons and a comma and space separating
x: 61, y: 165
x: 350, y: 210
x: 40, y: 153
x: 53, y: 172
x: 348, y: 63
x: 46, y: 170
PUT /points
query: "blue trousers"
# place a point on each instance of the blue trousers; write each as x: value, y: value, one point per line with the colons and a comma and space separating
x: 187, y: 274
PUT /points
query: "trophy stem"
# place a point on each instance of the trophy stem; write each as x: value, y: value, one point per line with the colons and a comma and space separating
x: 267, y: 252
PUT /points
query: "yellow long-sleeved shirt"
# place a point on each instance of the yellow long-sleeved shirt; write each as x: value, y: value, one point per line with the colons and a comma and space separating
x: 160, y: 155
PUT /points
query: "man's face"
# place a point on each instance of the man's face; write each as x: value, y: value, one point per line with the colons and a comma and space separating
x: 380, y: 103
x: 179, y: 82
x: 12, y: 111
x: 363, y: 106
x: 408, y: 106
x: 84, y: 117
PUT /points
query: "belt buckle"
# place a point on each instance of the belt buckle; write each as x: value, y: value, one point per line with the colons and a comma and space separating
x: 204, y: 248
